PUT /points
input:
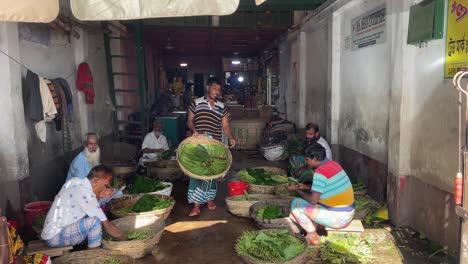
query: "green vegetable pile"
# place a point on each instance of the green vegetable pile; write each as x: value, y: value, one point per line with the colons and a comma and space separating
x: 269, y: 246
x: 294, y: 147
x: 204, y: 160
x: 112, y: 261
x: 146, y: 185
x: 150, y: 203
x: 362, y: 202
x: 262, y: 177
x: 165, y: 155
x: 132, y: 235
x: 288, y: 193
x: 270, y: 212
x: 359, y: 186
x: 346, y: 248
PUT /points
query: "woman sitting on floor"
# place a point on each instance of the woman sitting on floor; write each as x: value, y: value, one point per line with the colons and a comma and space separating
x: 331, y: 202
x: 12, y: 247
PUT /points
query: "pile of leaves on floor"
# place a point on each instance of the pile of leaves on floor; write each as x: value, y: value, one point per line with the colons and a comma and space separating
x: 359, y: 187
x: 132, y: 235
x: 148, y: 203
x: 270, y: 246
x: 346, y: 248
x: 143, y: 184
x: 204, y: 160
x: 270, y: 212
x: 262, y: 177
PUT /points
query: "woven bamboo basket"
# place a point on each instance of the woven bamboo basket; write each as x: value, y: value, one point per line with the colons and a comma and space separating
x: 241, y: 208
x: 165, y: 170
x: 203, y: 140
x: 135, y: 248
x: 265, y: 189
x: 282, y: 187
x: 96, y: 256
x: 122, y: 169
x: 116, y: 205
x: 279, y: 223
x: 301, y: 259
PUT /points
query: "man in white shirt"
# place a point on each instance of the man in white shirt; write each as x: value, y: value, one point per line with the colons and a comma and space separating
x: 75, y: 215
x: 297, y: 164
x: 154, y: 144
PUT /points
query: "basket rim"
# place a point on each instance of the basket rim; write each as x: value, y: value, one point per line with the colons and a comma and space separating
x: 207, y: 140
x: 114, y: 211
x: 97, y: 253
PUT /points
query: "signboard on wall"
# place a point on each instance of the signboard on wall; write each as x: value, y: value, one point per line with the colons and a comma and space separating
x: 456, y: 51
x: 368, y: 29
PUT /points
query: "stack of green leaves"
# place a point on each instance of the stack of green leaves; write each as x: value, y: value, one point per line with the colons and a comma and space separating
x: 359, y: 186
x: 295, y: 147
x: 362, y: 202
x: 270, y: 212
x: 167, y: 154
x: 132, y: 235
x: 38, y: 221
x: 262, y: 177
x: 151, y: 203
x: 270, y: 246
x: 346, y: 248
x: 204, y: 160
x: 145, y: 185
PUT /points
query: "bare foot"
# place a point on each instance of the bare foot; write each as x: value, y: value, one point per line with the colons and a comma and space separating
x: 313, y: 239
x: 211, y: 205
x: 195, y: 211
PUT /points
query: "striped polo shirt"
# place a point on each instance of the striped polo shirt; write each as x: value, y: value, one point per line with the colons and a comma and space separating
x: 208, y: 119
x: 334, y: 186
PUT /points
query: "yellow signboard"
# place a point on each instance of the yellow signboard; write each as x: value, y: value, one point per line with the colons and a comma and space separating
x: 456, y: 56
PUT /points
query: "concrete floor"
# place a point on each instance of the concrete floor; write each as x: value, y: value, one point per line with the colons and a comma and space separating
x: 210, y: 237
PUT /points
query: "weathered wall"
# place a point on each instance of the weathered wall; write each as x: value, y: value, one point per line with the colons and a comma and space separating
x: 58, y: 58
x: 392, y: 115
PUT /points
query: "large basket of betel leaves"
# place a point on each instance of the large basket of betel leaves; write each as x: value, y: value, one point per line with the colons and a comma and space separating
x: 273, y: 214
x: 95, y: 256
x: 142, y: 185
x: 262, y: 180
x: 203, y: 158
x: 143, y: 205
x: 141, y: 239
x: 271, y: 246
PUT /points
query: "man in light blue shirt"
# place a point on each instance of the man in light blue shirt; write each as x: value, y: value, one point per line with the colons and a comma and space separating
x: 88, y: 159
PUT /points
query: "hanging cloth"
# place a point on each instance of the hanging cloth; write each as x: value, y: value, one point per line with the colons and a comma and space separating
x: 32, y: 97
x: 62, y: 84
x: 48, y: 104
x: 84, y: 82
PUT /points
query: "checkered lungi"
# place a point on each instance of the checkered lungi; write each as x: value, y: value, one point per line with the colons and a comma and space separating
x: 87, y: 228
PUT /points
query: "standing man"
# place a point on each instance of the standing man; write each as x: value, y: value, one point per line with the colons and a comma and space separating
x: 209, y: 117
x: 154, y: 143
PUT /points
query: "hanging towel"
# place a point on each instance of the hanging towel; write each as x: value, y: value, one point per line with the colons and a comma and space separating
x: 84, y: 82
x: 54, y: 95
x: 48, y: 104
x: 32, y: 97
